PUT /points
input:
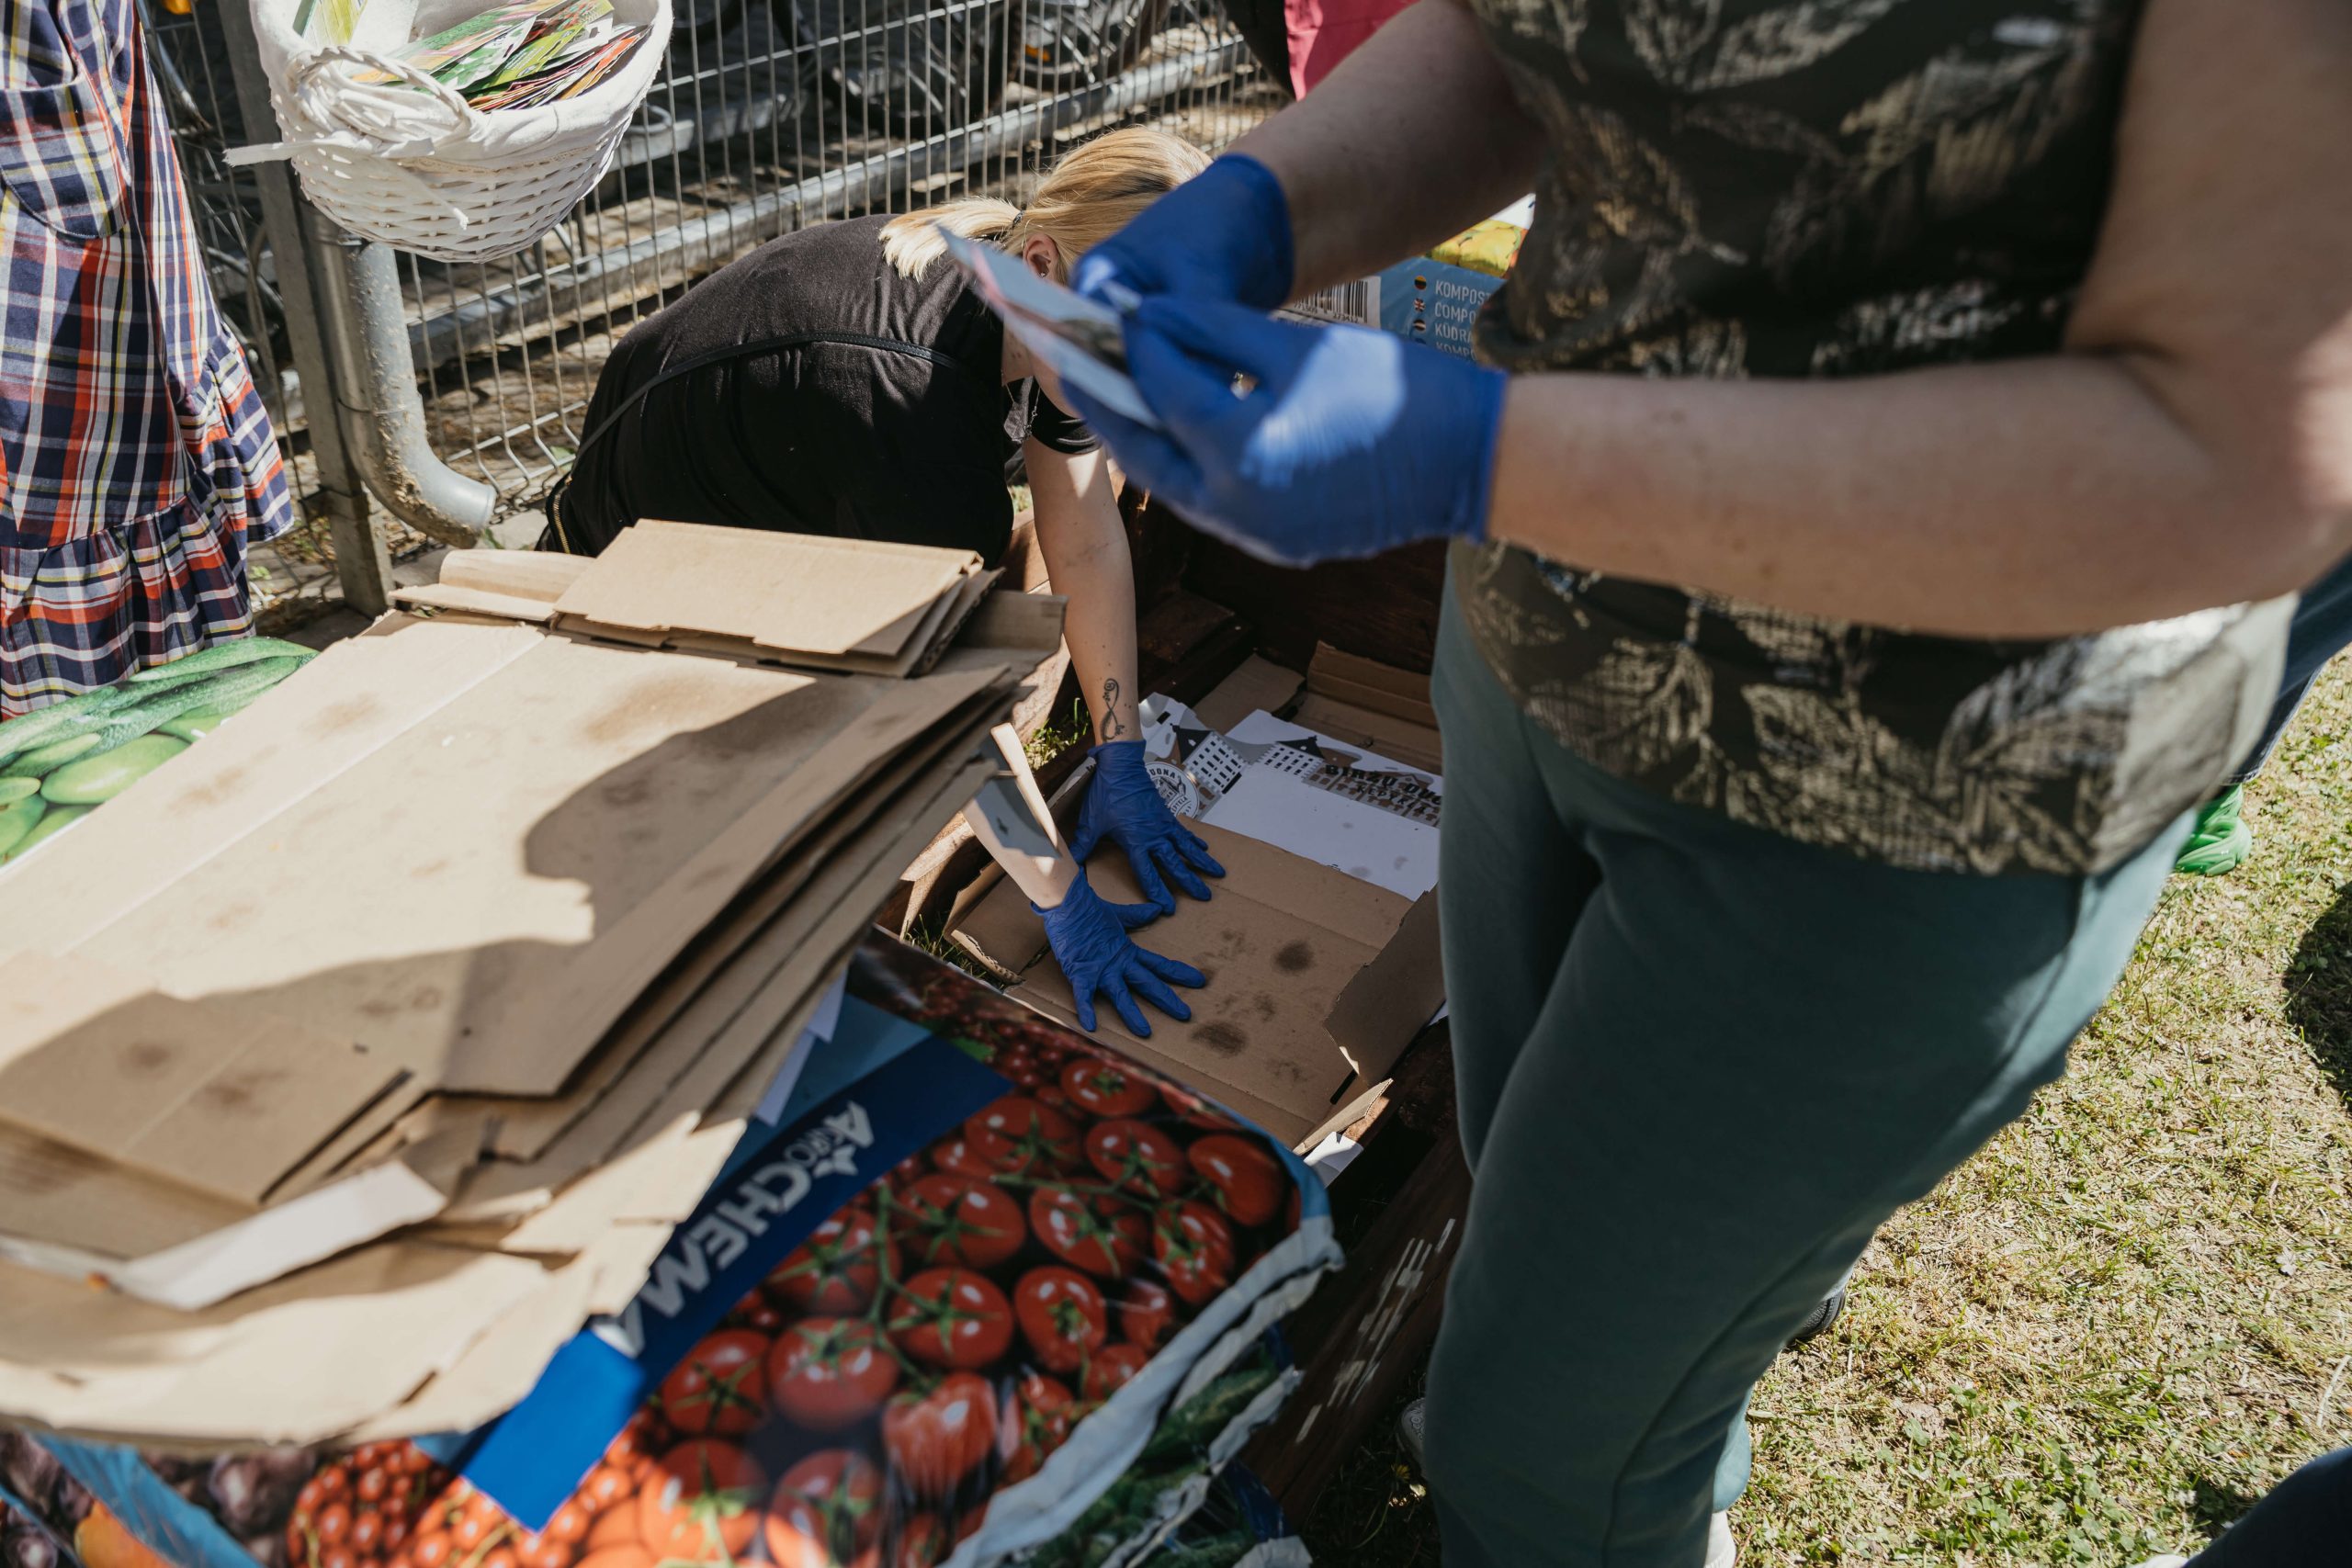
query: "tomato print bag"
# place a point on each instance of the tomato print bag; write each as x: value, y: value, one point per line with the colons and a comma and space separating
x: 989, y: 1292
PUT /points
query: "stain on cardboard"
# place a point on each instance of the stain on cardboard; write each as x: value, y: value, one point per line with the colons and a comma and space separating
x: 1222, y: 1038
x: 429, y: 869
x: 1295, y: 958
x: 1265, y: 1006
x: 213, y: 791
x: 345, y: 714
x: 231, y: 1095
x: 145, y: 1058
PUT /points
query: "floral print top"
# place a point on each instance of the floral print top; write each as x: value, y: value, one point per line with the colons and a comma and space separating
x: 1837, y: 187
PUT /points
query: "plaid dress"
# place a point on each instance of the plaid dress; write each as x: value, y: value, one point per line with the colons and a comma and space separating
x: 136, y: 459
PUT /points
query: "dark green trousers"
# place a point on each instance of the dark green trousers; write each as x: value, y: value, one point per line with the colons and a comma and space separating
x: 1699, y: 1064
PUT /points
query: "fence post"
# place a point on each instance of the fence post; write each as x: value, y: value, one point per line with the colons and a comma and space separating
x: 361, y: 563
x: 349, y: 336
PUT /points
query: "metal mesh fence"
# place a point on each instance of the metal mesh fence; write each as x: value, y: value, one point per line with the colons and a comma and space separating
x: 771, y: 115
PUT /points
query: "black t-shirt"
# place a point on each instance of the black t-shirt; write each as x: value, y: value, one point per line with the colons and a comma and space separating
x: 809, y: 389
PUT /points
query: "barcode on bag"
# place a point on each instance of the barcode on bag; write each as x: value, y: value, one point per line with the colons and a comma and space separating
x: 1357, y: 303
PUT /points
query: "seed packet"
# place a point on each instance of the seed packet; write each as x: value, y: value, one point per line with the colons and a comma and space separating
x: 570, y: 31
x: 473, y: 50
x: 571, y: 77
x: 328, y: 21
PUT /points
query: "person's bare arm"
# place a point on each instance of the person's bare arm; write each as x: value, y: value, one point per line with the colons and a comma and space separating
x: 2190, y: 447
x: 1414, y: 137
x: 1086, y: 556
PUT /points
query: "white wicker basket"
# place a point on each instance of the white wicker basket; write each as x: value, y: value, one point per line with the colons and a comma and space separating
x: 418, y: 167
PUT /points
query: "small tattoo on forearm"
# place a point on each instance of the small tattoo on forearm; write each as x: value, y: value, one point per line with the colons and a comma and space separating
x: 1111, y: 729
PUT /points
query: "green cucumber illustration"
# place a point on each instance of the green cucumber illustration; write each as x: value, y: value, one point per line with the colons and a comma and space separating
x: 220, y: 656
x: 18, y: 819
x: 55, y: 820
x: 95, y: 780
x: 42, y: 761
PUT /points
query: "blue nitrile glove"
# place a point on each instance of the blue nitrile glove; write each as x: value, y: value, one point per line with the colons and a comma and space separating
x: 1222, y: 235
x: 1123, y: 806
x: 1350, y: 442
x: 1091, y: 942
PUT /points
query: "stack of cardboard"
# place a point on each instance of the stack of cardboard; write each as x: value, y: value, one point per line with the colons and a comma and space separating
x: 355, y: 1057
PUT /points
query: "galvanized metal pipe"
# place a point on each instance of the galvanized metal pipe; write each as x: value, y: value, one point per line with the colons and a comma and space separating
x: 376, y: 396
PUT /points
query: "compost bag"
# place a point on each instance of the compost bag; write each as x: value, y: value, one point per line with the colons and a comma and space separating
x: 985, y: 1291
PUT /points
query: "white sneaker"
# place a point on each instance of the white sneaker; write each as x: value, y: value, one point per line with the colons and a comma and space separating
x: 1412, y: 1429
x: 2169, y: 1560
x: 1722, y: 1551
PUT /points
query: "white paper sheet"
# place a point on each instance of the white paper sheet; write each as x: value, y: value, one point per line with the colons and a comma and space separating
x: 1368, y: 843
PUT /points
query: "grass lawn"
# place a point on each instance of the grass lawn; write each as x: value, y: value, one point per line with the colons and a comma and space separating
x: 2129, y: 1314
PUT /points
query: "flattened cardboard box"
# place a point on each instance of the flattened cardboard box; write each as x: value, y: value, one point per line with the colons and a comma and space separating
x: 1317, y: 982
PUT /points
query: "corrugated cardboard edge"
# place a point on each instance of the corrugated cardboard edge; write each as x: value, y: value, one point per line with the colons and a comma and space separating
x: 1405, y: 979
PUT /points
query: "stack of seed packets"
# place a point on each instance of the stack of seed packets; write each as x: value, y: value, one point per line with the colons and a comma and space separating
x: 524, y: 54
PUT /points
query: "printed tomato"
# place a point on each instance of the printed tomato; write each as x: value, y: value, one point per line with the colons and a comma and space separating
x: 937, y: 1438
x: 758, y: 1314
x: 834, y: 1270
x: 1019, y: 1136
x: 1195, y: 1110
x: 644, y: 1440
x: 1112, y: 1368
x: 363, y: 1507
x: 702, y: 1503
x: 830, y: 1373
x: 1146, y: 1312
x: 962, y: 1223
x: 1035, y: 1424
x: 952, y: 1317
x: 1250, y: 1182
x: 1194, y: 1246
x: 923, y: 1542
x: 717, y: 1389
x: 606, y: 1485
x: 1061, y: 1316
x: 1136, y: 1156
x: 1101, y: 1088
x: 613, y: 1527
x: 826, y: 1510
x: 631, y: 1555
x: 955, y: 1156
x: 1100, y: 1234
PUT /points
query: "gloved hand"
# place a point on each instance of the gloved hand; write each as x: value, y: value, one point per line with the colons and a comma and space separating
x: 1123, y: 806
x: 1350, y: 442
x: 1088, y: 934
x: 1222, y: 235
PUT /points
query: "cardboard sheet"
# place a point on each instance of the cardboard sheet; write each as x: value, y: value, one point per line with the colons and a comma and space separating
x: 222, y: 1099
x: 1281, y: 940
x: 789, y: 594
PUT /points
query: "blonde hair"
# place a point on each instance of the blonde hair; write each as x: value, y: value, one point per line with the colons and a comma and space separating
x: 1089, y: 196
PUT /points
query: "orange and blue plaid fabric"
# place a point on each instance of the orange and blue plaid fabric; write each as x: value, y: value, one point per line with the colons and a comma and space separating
x: 136, y: 459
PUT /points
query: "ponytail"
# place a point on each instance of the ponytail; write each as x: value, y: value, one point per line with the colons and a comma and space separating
x: 910, y: 242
